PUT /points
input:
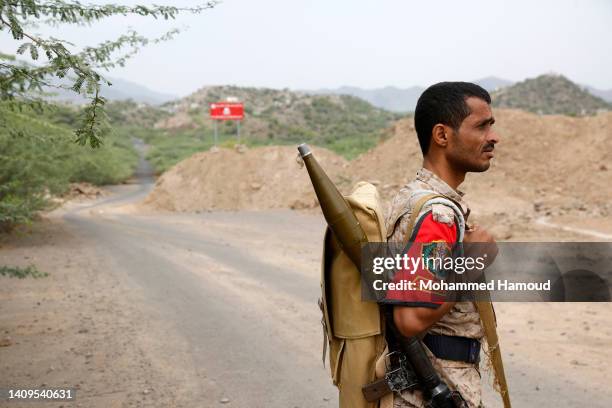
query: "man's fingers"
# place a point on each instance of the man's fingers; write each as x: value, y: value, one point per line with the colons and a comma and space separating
x: 471, y: 228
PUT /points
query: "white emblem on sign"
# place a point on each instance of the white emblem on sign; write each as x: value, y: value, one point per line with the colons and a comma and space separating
x: 226, y: 111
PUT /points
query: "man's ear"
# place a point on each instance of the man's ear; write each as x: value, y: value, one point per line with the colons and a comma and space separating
x: 439, y: 135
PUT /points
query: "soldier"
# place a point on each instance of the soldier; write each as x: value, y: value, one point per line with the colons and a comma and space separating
x: 453, y: 121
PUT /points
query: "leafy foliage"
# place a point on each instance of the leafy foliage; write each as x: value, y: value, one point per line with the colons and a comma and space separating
x: 38, y: 156
x: 18, y: 80
x: 168, y: 148
x: 39, y: 159
x: 22, y: 272
x: 132, y: 114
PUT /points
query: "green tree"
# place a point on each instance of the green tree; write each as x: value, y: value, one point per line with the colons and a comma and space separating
x: 21, y: 84
x: 37, y: 155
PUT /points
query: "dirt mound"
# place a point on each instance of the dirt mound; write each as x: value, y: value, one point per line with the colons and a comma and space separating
x: 553, y: 166
x: 393, y: 162
x: 259, y: 178
x: 544, y: 165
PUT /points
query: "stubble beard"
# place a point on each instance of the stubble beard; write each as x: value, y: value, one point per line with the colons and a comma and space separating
x: 462, y: 163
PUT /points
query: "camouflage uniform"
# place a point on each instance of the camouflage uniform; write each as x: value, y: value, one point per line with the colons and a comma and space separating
x: 463, y: 319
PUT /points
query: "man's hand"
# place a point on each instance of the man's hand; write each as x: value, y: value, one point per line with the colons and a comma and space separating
x: 476, y: 233
x: 480, y: 243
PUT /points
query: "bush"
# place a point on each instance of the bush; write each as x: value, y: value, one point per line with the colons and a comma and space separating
x: 22, y: 272
x: 39, y: 159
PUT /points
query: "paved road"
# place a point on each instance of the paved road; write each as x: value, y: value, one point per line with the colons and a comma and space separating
x: 238, y: 341
x: 229, y: 285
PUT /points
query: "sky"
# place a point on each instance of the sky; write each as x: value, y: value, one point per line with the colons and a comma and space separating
x: 313, y: 44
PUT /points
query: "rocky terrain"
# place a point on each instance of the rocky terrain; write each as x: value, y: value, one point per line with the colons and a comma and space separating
x: 550, y: 94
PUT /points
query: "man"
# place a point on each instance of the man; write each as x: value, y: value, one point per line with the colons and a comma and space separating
x: 453, y: 121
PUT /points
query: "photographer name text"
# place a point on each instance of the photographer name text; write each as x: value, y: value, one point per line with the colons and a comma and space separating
x: 437, y: 286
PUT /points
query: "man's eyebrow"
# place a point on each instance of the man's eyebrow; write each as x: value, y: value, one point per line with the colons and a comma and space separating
x: 487, y: 121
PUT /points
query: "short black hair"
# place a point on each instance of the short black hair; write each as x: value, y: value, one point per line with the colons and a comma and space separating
x: 444, y: 103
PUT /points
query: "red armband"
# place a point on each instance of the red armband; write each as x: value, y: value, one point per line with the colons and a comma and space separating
x: 432, y: 243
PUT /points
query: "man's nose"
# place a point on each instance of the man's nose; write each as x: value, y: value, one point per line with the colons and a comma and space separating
x: 493, y: 137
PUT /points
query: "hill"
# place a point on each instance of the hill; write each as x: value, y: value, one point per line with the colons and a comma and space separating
x: 344, y: 124
x: 549, y: 94
x: 401, y: 99
x: 390, y: 97
x: 492, y: 83
x: 551, y: 165
x: 134, y: 115
x: 121, y: 90
x: 605, y: 94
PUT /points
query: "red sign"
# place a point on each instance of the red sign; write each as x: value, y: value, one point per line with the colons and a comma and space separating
x: 227, y: 111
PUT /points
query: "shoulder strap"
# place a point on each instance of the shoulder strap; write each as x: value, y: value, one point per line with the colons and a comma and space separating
x: 487, y: 316
x: 485, y: 310
x: 415, y: 213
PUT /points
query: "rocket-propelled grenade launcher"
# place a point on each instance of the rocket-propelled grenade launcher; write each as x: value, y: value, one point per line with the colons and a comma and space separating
x: 337, y: 213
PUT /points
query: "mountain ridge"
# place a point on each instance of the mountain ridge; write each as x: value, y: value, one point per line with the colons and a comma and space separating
x: 120, y: 90
x: 391, y: 98
x: 397, y: 99
x: 404, y: 100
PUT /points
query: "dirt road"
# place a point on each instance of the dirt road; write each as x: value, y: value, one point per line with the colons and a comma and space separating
x: 219, y: 309
x: 198, y: 310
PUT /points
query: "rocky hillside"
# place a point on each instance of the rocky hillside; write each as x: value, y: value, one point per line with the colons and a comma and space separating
x: 345, y: 124
x: 549, y: 94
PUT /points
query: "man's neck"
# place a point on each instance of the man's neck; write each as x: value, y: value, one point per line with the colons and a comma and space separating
x: 446, y: 173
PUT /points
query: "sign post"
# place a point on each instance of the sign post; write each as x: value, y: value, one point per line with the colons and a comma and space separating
x: 215, y: 140
x: 227, y: 111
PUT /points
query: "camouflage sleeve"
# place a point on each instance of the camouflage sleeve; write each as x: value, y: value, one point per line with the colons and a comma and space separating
x: 432, y: 242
